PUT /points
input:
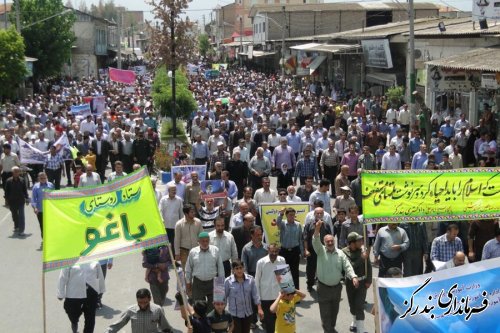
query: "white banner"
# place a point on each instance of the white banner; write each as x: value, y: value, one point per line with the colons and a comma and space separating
x: 377, y: 53
x: 29, y: 154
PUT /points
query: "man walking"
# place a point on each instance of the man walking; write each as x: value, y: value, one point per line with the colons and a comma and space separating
x: 143, y: 316
x: 359, y: 259
x: 37, y: 197
x: 170, y: 207
x: 16, y: 195
x: 309, y: 253
x: 224, y: 241
x: 79, y: 286
x: 292, y: 245
x: 53, y: 167
x: 331, y: 263
x: 187, y: 230
x: 391, y: 241
x: 267, y: 285
x: 203, y: 264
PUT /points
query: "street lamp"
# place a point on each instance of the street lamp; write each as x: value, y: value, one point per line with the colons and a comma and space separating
x: 172, y: 73
x: 283, y: 29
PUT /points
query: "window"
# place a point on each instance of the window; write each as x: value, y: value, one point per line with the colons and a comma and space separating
x: 263, y: 26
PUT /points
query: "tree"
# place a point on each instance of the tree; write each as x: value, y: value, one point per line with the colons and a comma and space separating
x: 105, y: 9
x: 203, y: 44
x: 169, y: 12
x: 49, y: 41
x: 12, y: 63
x: 162, y: 94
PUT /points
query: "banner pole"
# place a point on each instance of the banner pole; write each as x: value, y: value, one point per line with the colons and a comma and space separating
x: 375, y: 305
x: 44, y: 306
x: 183, y: 292
x: 367, y: 249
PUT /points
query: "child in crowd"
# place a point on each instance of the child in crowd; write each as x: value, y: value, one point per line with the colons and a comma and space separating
x: 284, y: 307
x: 91, y: 157
x: 220, y: 320
x: 153, y: 258
x: 78, y: 174
x: 379, y: 153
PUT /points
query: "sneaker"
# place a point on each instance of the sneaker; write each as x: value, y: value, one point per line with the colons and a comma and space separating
x: 21, y: 234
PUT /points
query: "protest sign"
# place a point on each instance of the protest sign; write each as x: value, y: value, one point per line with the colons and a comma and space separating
x: 82, y: 110
x: 460, y: 299
x: 285, y: 279
x: 212, y: 189
x: 83, y: 225
x: 187, y: 169
x: 29, y: 154
x: 121, y: 75
x: 428, y: 195
x: 219, y: 291
x: 98, y: 105
x: 139, y: 70
x: 269, y: 214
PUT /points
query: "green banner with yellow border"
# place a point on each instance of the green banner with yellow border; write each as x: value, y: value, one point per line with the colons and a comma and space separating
x: 269, y: 214
x: 87, y: 224
x: 428, y: 195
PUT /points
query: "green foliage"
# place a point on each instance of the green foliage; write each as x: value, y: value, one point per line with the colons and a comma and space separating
x: 105, y: 9
x: 203, y: 44
x: 49, y: 41
x: 167, y: 130
x: 12, y: 64
x: 395, y: 95
x: 162, y: 94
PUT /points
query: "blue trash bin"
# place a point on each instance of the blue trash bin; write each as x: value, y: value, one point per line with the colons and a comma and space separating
x: 165, y: 177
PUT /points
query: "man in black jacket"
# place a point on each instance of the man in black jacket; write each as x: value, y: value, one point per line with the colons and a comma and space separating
x: 101, y: 148
x: 141, y: 150
x: 16, y: 195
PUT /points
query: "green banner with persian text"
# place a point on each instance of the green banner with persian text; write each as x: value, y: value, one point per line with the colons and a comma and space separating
x: 87, y: 224
x: 428, y: 195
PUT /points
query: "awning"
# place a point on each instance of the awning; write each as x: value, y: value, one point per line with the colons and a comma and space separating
x: 383, y: 79
x: 329, y: 48
x: 315, y: 63
x: 235, y: 44
x: 262, y: 53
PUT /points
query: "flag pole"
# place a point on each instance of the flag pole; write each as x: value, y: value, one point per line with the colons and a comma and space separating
x: 44, y: 306
x: 181, y: 289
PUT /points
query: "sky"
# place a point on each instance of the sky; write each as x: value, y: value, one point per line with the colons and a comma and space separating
x: 198, y: 8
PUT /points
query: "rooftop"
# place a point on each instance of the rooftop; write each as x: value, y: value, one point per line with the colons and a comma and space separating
x: 482, y: 59
x: 339, y: 6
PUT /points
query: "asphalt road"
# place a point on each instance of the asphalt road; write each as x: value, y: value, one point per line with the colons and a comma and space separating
x: 21, y: 276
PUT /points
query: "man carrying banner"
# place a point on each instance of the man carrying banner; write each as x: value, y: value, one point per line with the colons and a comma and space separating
x: 331, y: 263
x: 143, y: 316
x: 54, y: 164
x: 37, y: 197
x: 390, y: 243
x: 356, y: 296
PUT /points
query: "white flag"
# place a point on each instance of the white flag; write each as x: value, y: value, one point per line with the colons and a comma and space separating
x: 29, y: 154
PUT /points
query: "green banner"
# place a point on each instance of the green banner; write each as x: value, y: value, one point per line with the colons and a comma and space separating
x: 269, y: 214
x: 428, y: 195
x: 82, y: 225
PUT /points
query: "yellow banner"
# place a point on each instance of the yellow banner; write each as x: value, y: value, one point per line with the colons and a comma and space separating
x: 428, y: 196
x: 269, y: 214
x: 82, y: 225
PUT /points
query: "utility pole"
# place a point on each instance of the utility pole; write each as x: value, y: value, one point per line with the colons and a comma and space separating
x: 411, y: 62
x: 5, y: 12
x: 283, y: 29
x: 241, y: 41
x: 119, y: 40
x: 172, y: 57
x: 18, y: 16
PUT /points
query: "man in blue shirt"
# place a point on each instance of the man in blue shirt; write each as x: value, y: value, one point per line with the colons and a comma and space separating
x: 415, y: 143
x: 447, y: 129
x: 419, y: 159
x: 291, y: 239
x: 37, y: 197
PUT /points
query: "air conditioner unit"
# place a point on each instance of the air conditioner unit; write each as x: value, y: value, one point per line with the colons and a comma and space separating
x: 418, y: 54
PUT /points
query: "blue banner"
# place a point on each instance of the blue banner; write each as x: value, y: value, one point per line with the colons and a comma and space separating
x: 460, y: 299
x: 187, y: 169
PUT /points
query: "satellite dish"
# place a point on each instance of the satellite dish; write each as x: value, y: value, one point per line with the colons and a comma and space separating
x: 417, y: 54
